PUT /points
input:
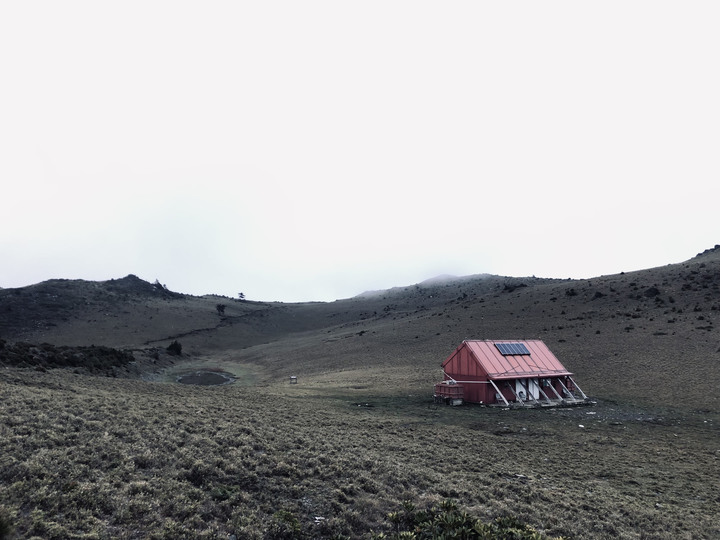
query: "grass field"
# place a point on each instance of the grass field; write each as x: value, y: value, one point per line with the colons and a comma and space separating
x: 136, y: 455
x: 86, y: 457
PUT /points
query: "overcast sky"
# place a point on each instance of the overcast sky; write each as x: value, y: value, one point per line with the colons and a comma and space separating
x: 309, y: 150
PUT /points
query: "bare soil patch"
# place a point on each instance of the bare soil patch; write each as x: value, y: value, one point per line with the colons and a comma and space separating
x: 207, y: 377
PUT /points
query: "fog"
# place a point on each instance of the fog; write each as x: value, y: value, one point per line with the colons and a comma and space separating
x: 315, y: 150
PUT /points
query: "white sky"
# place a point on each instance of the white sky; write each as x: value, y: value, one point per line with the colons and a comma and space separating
x: 314, y: 150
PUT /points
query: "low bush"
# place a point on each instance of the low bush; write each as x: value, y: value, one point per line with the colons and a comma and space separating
x: 175, y: 348
x: 6, y: 528
x: 96, y: 359
x: 447, y: 521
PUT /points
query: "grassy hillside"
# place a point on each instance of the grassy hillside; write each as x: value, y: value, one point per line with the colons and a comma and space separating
x: 138, y: 456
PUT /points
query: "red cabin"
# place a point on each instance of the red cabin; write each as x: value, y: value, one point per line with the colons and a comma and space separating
x: 505, y: 372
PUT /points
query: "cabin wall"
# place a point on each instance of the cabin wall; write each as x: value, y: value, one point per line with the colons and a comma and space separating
x: 472, y: 392
x: 463, y: 367
x: 464, y: 364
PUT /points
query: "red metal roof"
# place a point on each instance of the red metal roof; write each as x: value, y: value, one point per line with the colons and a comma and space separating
x: 539, y: 363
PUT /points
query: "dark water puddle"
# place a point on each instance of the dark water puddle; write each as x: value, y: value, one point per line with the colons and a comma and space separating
x: 204, y: 377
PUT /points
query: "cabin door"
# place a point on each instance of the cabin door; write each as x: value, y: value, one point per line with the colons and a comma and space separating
x: 527, y: 389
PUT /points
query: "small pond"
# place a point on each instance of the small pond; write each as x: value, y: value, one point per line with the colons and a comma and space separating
x: 206, y: 377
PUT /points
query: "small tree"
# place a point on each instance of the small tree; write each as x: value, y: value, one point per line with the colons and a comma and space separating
x: 220, y: 309
x: 241, y: 296
x: 175, y: 348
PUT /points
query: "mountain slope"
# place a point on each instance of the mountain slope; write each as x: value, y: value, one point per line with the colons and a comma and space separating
x: 358, y: 437
x: 649, y: 336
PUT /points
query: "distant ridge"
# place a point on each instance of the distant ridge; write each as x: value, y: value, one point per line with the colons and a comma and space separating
x: 712, y: 251
x: 442, y: 278
x: 132, y: 284
x: 55, y: 301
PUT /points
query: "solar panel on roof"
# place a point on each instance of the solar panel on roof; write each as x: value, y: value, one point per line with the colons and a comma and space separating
x: 509, y: 349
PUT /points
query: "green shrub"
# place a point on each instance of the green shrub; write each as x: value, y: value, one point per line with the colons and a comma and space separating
x: 284, y: 526
x: 175, y: 348
x: 6, y: 527
x: 448, y: 521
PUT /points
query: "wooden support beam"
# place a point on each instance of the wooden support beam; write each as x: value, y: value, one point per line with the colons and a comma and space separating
x: 499, y: 393
x: 527, y: 390
x: 517, y: 398
x: 544, y: 394
x: 569, y: 393
x: 552, y: 387
x: 579, y: 390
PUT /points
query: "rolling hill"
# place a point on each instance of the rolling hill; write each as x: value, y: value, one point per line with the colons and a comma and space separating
x: 649, y: 336
x: 98, y: 441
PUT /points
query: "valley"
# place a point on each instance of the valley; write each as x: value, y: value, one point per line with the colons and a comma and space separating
x: 126, y: 452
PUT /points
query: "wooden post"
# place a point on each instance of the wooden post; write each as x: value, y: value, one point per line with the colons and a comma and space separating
x: 579, y: 390
x: 499, y: 393
x: 517, y: 398
x: 552, y: 387
x: 569, y: 393
x: 528, y: 392
x: 543, y: 393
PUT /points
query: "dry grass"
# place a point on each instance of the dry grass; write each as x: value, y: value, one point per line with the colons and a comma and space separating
x: 83, y: 456
x: 86, y: 457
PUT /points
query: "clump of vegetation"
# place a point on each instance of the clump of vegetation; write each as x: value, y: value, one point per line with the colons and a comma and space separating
x: 6, y: 528
x: 175, y: 348
x: 96, y: 359
x: 284, y: 525
x: 447, y: 521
